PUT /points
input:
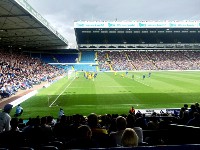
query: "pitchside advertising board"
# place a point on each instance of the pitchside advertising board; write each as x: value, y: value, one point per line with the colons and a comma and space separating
x: 136, y: 24
x: 148, y: 112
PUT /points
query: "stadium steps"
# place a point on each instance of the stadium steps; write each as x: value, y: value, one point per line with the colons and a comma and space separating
x: 111, y: 67
x: 72, y: 67
x: 107, y: 56
x: 152, y: 61
x: 97, y: 68
x: 127, y: 57
x: 133, y: 65
x: 131, y: 61
x: 96, y: 55
x: 79, y: 57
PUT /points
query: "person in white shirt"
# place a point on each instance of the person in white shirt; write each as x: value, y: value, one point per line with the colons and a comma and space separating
x: 5, y: 118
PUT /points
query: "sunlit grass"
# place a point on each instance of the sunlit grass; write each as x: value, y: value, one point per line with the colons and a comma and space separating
x: 114, y: 94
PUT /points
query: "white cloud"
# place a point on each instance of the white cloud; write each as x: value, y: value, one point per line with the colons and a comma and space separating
x: 62, y: 13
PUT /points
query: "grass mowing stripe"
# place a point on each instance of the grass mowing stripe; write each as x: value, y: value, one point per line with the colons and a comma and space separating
x: 113, y: 94
x: 61, y: 93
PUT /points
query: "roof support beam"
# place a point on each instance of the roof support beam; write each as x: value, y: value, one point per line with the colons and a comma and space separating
x: 21, y: 15
x: 25, y: 36
x: 25, y: 28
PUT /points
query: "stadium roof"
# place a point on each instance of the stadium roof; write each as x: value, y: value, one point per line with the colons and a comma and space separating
x: 24, y: 28
x: 137, y: 35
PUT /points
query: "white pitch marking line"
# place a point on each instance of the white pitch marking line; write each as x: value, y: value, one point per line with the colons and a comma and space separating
x: 61, y: 93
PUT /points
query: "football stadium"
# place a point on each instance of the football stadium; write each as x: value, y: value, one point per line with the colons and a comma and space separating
x: 133, y: 76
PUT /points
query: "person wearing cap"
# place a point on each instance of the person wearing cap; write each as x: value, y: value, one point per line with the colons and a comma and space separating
x: 5, y: 118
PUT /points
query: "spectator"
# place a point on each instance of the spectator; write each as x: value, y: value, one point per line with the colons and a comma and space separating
x: 194, y: 121
x: 129, y: 138
x: 61, y: 113
x: 13, y: 138
x: 93, y: 123
x: 5, y: 118
x: 84, y: 140
x: 98, y: 133
x: 131, y: 124
x: 116, y: 136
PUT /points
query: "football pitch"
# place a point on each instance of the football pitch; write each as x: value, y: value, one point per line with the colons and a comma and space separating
x: 113, y: 94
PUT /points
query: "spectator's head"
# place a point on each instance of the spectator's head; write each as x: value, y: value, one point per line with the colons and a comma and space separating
x: 193, y: 107
x: 7, y: 108
x: 129, y: 138
x: 130, y: 121
x: 77, y: 118
x: 186, y: 106
x: 121, y: 123
x: 43, y: 120
x: 14, y: 123
x: 196, y: 104
x: 92, y: 120
x: 182, y: 109
x: 84, y: 131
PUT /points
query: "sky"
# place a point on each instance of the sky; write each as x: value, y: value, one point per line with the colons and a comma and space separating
x: 61, y: 14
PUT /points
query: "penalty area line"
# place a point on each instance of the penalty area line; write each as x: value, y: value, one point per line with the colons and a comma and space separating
x: 61, y: 93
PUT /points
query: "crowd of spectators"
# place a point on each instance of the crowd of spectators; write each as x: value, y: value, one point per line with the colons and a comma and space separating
x: 21, y: 72
x: 94, y: 131
x: 103, y: 61
x: 149, y: 60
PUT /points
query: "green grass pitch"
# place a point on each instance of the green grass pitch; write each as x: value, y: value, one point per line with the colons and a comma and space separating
x: 112, y: 94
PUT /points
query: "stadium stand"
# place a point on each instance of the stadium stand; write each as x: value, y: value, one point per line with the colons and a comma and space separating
x: 21, y: 72
x: 87, y: 57
x: 174, y: 49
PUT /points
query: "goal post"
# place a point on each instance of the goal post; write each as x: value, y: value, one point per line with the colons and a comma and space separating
x: 71, y: 74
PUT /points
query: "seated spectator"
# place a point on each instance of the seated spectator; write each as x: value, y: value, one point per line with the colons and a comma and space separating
x: 13, y: 138
x: 141, y: 121
x: 46, y: 130
x: 21, y: 124
x: 129, y: 138
x: 4, y: 92
x: 83, y: 140
x: 131, y: 124
x: 194, y: 121
x: 98, y: 133
x: 93, y: 123
x: 74, y: 125
x: 61, y: 128
x: 153, y: 123
x: 116, y: 136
